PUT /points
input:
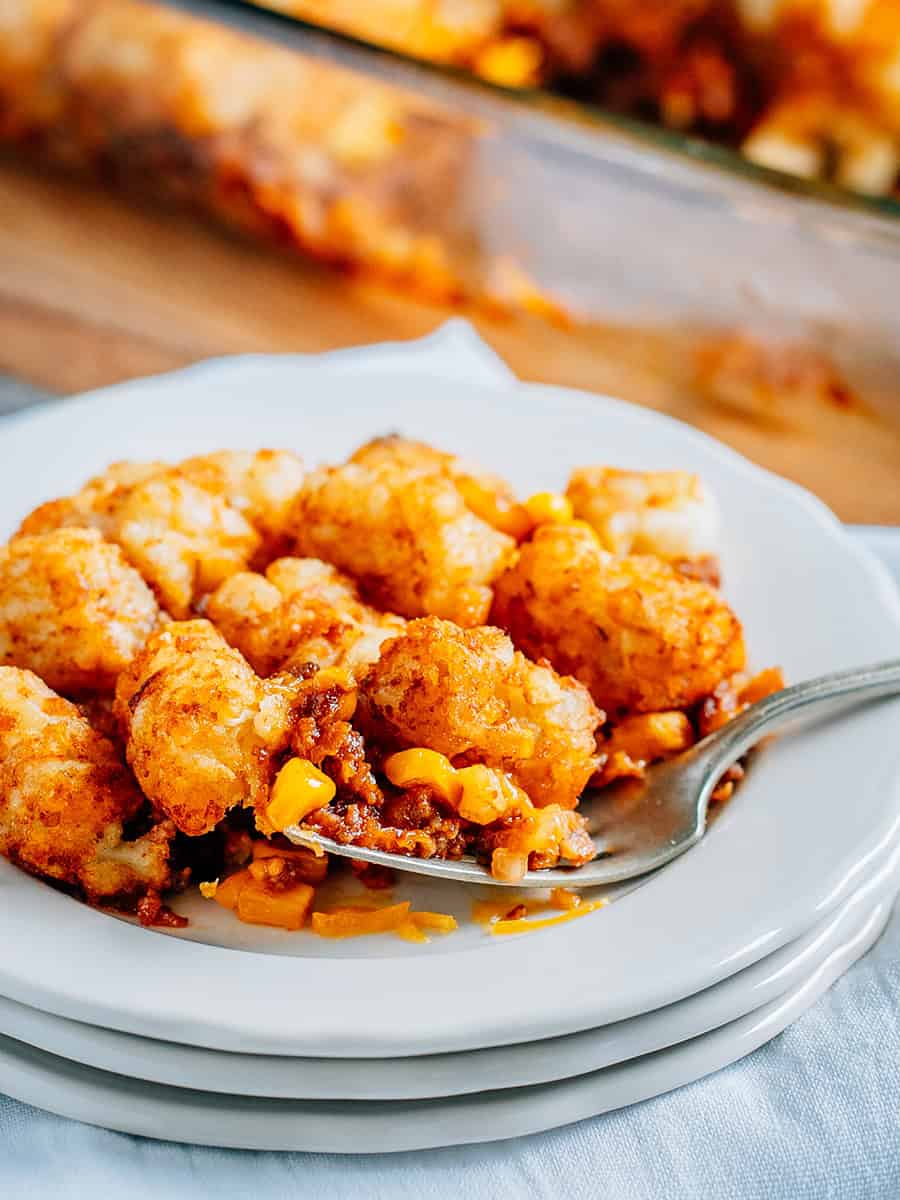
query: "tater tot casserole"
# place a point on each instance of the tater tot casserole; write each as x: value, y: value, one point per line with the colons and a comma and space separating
x: 395, y: 652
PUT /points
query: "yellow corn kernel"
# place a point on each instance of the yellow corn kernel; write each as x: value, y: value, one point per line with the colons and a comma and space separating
x: 545, y: 508
x: 299, y: 789
x: 208, y: 890
x: 512, y: 62
x: 506, y: 515
x: 486, y: 794
x: 424, y: 768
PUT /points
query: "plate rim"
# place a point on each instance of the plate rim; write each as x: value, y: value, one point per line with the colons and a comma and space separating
x: 34, y: 1077
x: 772, y: 976
x: 47, y: 991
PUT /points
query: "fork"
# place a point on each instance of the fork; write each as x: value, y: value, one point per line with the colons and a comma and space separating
x: 643, y: 824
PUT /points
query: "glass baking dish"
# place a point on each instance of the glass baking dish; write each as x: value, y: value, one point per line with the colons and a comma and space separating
x: 566, y: 208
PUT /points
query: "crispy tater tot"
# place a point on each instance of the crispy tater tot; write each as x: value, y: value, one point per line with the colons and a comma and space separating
x: 638, y: 634
x: 92, y: 506
x: 487, y: 496
x: 670, y: 514
x: 301, y: 611
x: 183, y: 540
x: 405, y: 535
x: 65, y: 796
x: 261, y: 486
x: 201, y: 726
x: 469, y: 695
x: 71, y: 609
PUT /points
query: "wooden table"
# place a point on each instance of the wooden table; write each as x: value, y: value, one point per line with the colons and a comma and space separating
x: 93, y: 291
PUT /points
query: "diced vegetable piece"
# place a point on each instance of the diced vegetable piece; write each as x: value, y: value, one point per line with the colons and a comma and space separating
x: 762, y: 685
x: 229, y: 889
x: 285, y: 908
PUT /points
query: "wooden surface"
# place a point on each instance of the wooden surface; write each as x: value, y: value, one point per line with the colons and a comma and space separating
x: 93, y: 291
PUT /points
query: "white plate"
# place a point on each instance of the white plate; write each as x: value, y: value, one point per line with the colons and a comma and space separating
x: 434, y: 1075
x: 379, y: 1127
x: 795, y: 841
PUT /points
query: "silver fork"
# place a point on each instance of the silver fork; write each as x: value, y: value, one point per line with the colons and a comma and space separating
x: 642, y: 825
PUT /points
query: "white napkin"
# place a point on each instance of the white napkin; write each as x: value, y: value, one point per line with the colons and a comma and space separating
x: 814, y: 1114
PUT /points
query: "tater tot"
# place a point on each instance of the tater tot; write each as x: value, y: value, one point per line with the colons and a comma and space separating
x: 93, y: 506
x: 72, y: 610
x: 471, y: 696
x: 487, y: 496
x: 301, y: 611
x: 670, y: 514
x: 65, y: 796
x: 201, y: 726
x: 406, y: 536
x: 182, y: 539
x: 639, y: 635
x: 261, y: 486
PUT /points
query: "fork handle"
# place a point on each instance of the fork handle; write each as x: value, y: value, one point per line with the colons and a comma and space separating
x: 770, y: 714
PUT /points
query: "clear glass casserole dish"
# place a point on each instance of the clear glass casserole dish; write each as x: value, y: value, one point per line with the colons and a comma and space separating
x: 458, y: 188
x: 617, y: 221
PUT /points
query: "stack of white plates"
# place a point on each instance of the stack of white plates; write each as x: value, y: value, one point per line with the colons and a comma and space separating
x: 235, y: 1035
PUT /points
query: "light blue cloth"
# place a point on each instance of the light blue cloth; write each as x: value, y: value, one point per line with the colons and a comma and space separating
x: 814, y: 1114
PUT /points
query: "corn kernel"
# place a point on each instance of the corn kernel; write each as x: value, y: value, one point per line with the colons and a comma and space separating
x: 208, y: 890
x: 425, y: 768
x: 545, y: 508
x: 299, y: 789
x: 503, y: 514
x: 486, y: 794
x: 512, y: 62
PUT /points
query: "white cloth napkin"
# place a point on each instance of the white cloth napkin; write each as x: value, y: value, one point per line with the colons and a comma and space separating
x: 814, y: 1114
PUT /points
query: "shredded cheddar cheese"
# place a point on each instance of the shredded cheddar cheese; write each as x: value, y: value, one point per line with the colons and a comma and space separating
x: 524, y: 925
